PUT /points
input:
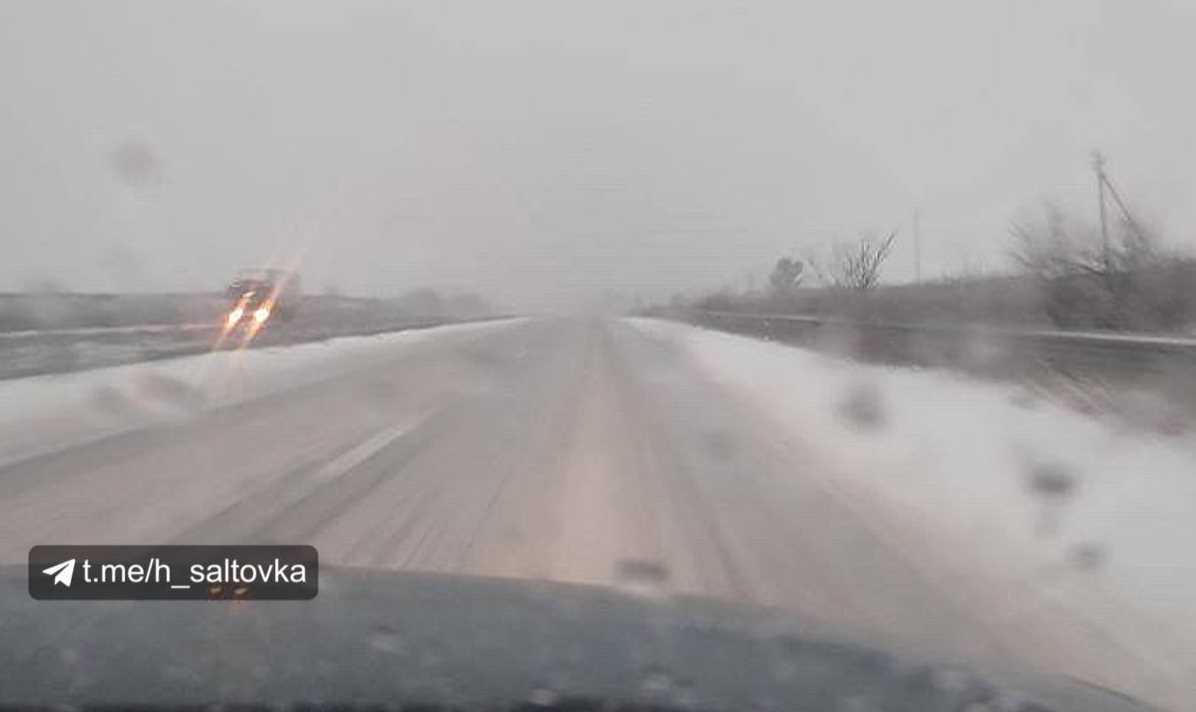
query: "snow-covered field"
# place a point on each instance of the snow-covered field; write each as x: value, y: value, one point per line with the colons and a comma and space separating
x: 1053, y: 506
x: 44, y: 413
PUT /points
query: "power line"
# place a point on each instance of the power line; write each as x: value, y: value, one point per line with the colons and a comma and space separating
x: 1102, y: 184
x: 1098, y: 165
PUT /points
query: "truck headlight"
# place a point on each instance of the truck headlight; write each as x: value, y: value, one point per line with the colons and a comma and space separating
x: 261, y: 314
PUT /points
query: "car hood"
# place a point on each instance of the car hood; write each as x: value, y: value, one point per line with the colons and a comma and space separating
x: 405, y: 639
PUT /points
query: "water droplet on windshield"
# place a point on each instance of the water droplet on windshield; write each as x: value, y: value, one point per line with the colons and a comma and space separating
x: 1051, y: 480
x: 862, y: 407
x: 543, y: 697
x: 642, y: 577
x: 656, y: 684
x: 1088, y: 556
x: 386, y: 639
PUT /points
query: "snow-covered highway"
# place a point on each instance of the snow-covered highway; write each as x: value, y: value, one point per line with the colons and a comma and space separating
x: 918, y: 508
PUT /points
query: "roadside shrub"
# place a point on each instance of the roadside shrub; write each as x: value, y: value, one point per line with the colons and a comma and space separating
x: 1127, y: 282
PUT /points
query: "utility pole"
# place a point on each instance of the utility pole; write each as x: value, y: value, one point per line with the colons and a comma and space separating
x: 1098, y: 165
x: 1103, y: 184
x: 1125, y: 211
x: 917, y: 247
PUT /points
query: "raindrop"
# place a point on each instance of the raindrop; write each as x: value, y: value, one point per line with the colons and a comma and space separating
x: 543, y: 697
x: 642, y: 576
x: 386, y: 639
x: 136, y: 164
x: 1051, y: 480
x: 1088, y: 556
x: 862, y: 407
x: 656, y: 684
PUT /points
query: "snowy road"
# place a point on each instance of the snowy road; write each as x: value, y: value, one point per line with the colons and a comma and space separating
x: 895, y: 506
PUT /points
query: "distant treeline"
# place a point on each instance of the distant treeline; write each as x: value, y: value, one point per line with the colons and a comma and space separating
x: 27, y: 311
x: 1068, y: 275
x: 1157, y: 297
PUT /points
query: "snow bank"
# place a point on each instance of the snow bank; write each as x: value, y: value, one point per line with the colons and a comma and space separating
x: 1097, y: 519
x: 44, y: 413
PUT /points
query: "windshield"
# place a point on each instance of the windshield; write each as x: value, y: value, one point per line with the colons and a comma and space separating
x: 690, y: 340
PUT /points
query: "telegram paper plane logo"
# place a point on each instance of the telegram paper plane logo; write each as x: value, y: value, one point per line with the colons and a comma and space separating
x: 62, y: 573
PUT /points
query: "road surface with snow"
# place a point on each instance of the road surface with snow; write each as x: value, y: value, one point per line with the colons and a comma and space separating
x: 913, y: 508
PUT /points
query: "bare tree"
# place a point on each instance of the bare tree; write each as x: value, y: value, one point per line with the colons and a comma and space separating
x: 855, y: 265
x: 1053, y: 248
x: 1120, y: 278
x: 786, y: 275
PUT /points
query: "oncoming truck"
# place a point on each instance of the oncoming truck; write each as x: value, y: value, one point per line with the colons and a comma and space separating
x: 257, y: 295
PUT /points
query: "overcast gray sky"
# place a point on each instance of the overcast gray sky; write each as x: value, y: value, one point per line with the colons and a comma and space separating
x: 543, y: 152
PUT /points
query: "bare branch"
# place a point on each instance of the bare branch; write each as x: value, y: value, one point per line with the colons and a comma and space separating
x: 854, y: 265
